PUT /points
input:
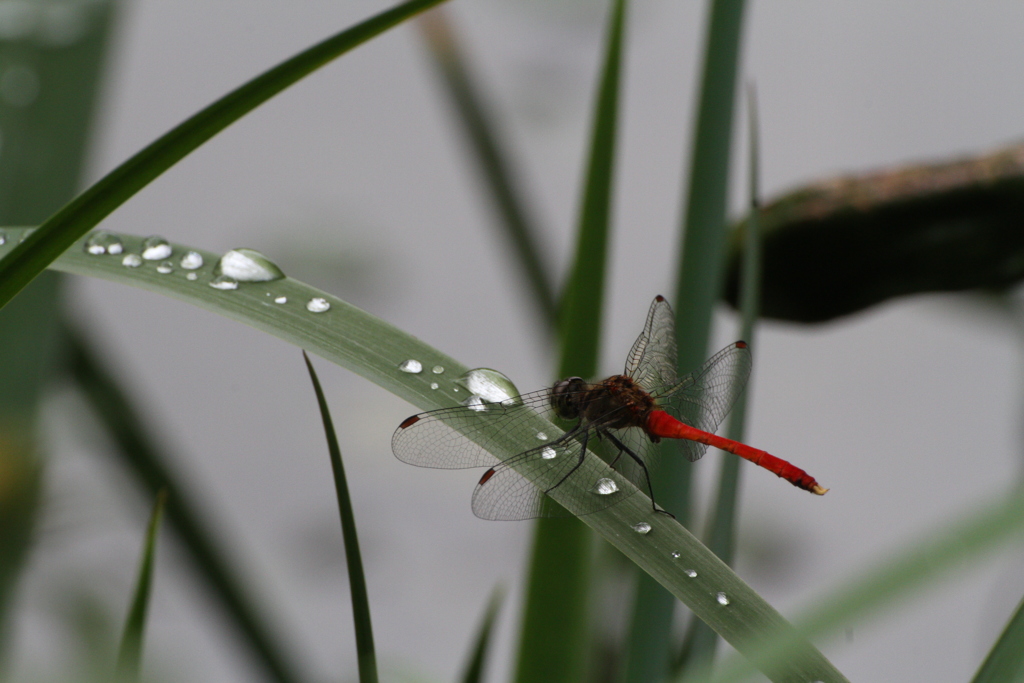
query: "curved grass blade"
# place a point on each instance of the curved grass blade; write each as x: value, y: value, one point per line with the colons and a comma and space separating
x: 721, y: 538
x: 54, y: 236
x: 129, y: 657
x: 1005, y: 662
x: 374, y: 349
x: 520, y: 230
x: 700, y: 275
x: 478, y: 658
x: 356, y: 579
x: 143, y: 458
x: 954, y: 543
x: 553, y: 635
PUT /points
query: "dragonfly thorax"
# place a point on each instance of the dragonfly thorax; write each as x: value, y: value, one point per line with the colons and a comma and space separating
x: 616, y: 403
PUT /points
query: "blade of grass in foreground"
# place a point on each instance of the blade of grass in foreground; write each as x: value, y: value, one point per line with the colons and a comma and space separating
x: 474, y: 672
x: 700, y: 275
x: 356, y: 579
x: 479, y: 127
x: 721, y: 538
x: 54, y: 236
x: 1005, y: 662
x: 554, y: 632
x: 351, y: 338
x: 129, y: 657
x: 143, y: 458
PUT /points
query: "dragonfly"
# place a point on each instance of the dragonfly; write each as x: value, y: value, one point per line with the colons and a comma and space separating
x: 622, y: 417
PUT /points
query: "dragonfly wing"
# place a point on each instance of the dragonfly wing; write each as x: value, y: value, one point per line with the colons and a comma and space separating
x: 466, y: 435
x: 515, y: 489
x: 703, y: 398
x: 653, y: 359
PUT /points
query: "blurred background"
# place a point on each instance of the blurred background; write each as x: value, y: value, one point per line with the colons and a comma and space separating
x: 358, y: 181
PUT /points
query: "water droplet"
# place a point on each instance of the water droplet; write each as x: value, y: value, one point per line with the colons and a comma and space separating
x: 165, y: 268
x: 548, y: 452
x: 224, y: 282
x: 281, y: 300
x: 542, y: 436
x: 437, y: 369
x: 641, y: 527
x: 605, y: 486
x: 103, y: 242
x: 722, y: 598
x: 191, y: 260
x: 434, y: 385
x: 155, y: 248
x: 131, y: 260
x: 692, y: 573
x: 3, y: 238
x: 455, y: 389
x: 317, y: 304
x: 247, y: 265
x: 191, y: 276
x: 476, y: 403
x: 491, y: 386
x: 19, y: 85
x: 411, y: 366
x: 676, y: 554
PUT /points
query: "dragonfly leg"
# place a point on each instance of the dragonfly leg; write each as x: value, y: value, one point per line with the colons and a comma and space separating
x: 623, y: 448
x: 583, y: 454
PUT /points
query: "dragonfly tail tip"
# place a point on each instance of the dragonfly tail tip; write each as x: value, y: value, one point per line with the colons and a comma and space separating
x: 819, y: 490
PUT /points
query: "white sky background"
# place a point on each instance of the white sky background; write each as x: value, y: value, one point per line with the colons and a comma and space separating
x: 357, y: 181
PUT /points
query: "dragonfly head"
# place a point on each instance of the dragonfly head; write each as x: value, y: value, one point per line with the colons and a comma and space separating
x: 565, y: 398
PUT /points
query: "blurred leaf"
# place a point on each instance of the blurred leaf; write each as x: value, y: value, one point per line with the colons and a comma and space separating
x: 697, y: 290
x: 50, y: 75
x: 140, y: 455
x: 842, y: 245
x: 356, y: 579
x: 61, y: 230
x: 129, y: 657
x: 480, y: 128
x: 721, y: 534
x: 474, y: 672
x: 553, y: 636
x: 1005, y: 662
x: 374, y: 349
x: 910, y: 568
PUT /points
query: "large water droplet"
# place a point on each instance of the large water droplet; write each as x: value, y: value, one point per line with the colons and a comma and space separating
x: 476, y: 403
x: 155, y: 248
x: 223, y: 282
x: 318, y: 304
x: 131, y: 260
x: 191, y: 260
x: 692, y: 573
x: 411, y: 366
x: 437, y: 369
x: 165, y: 268
x: 103, y: 242
x: 247, y: 265
x: 642, y: 527
x: 722, y: 598
x: 491, y: 386
x: 605, y: 486
x: 548, y: 452
x: 281, y: 300
x: 19, y: 85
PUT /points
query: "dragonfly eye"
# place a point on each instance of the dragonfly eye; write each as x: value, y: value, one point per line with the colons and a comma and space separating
x: 565, y: 398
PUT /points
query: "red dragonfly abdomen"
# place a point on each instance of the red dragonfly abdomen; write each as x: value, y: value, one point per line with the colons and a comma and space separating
x: 661, y: 424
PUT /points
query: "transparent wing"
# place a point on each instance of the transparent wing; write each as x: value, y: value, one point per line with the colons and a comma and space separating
x: 465, y: 436
x: 703, y: 398
x: 652, y: 360
x: 507, y: 491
